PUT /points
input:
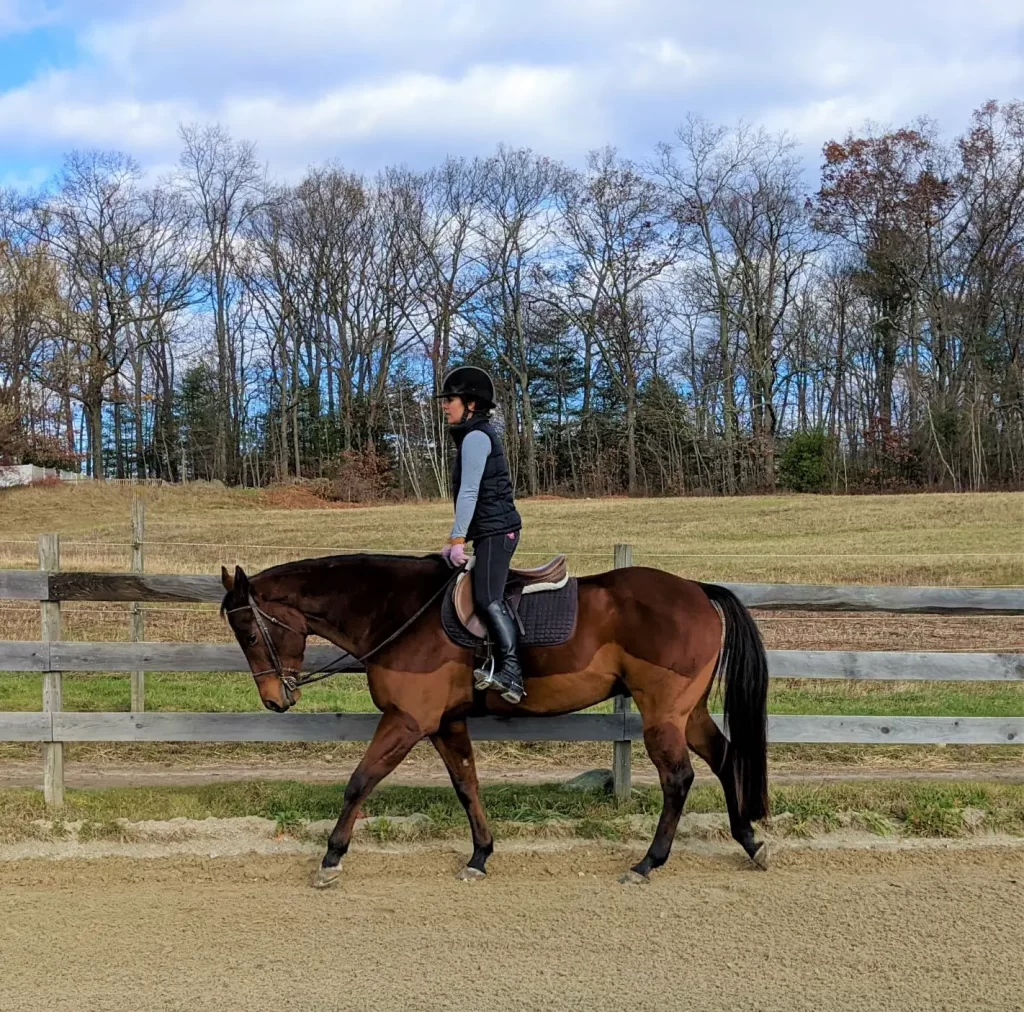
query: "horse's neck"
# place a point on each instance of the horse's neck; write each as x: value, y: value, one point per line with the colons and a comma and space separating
x: 354, y: 605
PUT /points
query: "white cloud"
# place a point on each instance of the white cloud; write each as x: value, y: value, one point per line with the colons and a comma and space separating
x: 56, y: 108
x: 484, y: 104
x: 665, y: 63
x: 21, y: 15
x: 891, y: 88
x: 375, y: 81
x: 484, y: 101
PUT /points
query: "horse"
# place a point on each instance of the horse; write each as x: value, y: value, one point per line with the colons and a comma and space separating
x: 657, y: 637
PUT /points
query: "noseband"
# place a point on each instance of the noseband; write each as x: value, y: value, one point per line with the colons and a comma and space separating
x: 293, y: 679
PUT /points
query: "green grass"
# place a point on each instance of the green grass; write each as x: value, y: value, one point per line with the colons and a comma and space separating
x: 924, y: 809
x: 220, y: 692
x: 897, y: 699
x: 202, y: 692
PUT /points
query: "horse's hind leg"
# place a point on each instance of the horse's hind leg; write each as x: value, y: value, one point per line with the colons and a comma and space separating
x: 704, y: 737
x: 395, y: 736
x: 666, y: 745
x: 455, y: 748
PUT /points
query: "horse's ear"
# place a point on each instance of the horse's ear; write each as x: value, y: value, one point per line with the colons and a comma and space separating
x: 227, y: 579
x: 241, y: 582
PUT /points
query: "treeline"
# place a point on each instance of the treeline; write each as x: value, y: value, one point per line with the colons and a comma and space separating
x: 701, y: 321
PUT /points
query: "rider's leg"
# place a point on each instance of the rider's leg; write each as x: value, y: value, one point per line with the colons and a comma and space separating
x: 490, y: 573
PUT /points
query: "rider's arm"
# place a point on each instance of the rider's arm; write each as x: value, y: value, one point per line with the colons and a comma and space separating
x: 476, y: 448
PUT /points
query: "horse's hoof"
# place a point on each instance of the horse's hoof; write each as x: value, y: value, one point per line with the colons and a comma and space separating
x: 761, y: 857
x: 471, y: 875
x: 634, y: 878
x: 326, y: 877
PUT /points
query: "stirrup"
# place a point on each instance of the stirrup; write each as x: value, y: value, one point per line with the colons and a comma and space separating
x: 513, y: 694
x: 485, y: 679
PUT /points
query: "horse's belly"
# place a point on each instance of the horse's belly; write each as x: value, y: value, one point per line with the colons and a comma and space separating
x: 563, y: 692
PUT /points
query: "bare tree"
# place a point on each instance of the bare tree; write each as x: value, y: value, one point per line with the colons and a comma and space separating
x: 620, y: 238
x: 224, y: 181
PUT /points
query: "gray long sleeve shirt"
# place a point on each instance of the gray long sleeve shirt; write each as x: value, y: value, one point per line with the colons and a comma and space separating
x: 476, y: 448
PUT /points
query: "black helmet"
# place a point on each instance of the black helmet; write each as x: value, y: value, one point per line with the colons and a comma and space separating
x: 471, y: 384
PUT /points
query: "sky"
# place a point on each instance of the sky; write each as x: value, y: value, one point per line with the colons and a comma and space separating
x: 367, y: 83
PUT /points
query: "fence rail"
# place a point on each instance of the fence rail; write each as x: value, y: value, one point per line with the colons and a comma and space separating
x: 613, y: 727
x: 52, y: 656
x: 872, y: 665
x: 27, y: 585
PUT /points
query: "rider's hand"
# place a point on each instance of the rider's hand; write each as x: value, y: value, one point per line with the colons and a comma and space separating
x: 446, y: 552
x: 457, y: 556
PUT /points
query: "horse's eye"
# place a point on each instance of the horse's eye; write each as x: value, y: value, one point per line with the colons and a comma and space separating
x: 253, y: 640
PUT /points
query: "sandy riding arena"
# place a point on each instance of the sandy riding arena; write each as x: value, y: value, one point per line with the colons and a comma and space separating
x: 933, y: 928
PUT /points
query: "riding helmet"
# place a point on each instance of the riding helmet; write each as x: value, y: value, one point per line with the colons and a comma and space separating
x: 471, y: 384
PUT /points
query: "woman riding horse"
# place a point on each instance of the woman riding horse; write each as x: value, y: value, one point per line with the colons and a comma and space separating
x: 645, y: 633
x: 485, y: 514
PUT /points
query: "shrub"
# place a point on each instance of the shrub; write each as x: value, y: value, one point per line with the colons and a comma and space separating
x: 806, y: 462
x: 361, y: 476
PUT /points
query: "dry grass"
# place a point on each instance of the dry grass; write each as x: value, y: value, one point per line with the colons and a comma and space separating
x: 174, y: 623
x: 526, y: 761
x: 921, y: 539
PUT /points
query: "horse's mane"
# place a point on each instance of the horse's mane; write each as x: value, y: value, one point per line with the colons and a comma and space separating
x: 319, y: 562
x: 315, y: 566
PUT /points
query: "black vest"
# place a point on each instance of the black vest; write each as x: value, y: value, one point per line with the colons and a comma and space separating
x: 495, y: 505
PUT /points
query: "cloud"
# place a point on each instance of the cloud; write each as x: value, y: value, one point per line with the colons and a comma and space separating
x: 376, y: 81
x: 58, y: 109
x: 482, y: 105
x: 17, y: 16
x: 889, y: 86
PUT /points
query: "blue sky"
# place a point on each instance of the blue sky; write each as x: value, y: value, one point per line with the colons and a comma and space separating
x: 371, y: 82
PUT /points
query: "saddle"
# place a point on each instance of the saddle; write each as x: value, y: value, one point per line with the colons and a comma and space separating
x: 542, y: 601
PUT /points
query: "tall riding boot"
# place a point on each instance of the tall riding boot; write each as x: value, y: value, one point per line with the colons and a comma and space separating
x: 506, y: 674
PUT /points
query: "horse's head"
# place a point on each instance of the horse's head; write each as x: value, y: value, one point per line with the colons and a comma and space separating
x: 271, y: 634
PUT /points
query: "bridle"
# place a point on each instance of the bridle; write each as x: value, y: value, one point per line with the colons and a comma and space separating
x: 262, y: 618
x: 292, y: 678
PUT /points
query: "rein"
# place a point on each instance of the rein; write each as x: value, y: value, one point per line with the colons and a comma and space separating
x: 296, y: 679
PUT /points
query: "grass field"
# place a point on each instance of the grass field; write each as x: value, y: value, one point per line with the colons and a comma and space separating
x: 923, y: 539
x: 219, y: 692
x: 961, y: 540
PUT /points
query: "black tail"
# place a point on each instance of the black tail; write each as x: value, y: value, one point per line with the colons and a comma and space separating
x: 744, y: 668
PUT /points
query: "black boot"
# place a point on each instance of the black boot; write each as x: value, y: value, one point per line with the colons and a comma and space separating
x: 505, y: 674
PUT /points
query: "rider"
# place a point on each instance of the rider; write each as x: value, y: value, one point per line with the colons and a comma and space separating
x: 485, y: 513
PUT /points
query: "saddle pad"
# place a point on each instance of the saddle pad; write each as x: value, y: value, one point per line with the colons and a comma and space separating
x: 548, y: 618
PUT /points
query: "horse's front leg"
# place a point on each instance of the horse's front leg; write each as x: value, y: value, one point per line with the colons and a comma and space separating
x: 396, y: 734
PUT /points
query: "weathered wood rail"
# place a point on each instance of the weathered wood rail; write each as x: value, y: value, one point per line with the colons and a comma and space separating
x: 52, y: 656
x: 148, y: 726
x: 872, y: 665
x: 26, y: 585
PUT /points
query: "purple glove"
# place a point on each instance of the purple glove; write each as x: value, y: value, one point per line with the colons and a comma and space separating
x: 457, y: 556
x: 446, y: 553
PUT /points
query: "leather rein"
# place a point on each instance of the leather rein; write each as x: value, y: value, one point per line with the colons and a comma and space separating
x: 292, y: 678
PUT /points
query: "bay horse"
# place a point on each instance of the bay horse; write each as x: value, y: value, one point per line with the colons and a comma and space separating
x: 643, y: 632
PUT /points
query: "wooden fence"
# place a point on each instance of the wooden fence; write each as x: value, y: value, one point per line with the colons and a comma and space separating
x: 53, y: 726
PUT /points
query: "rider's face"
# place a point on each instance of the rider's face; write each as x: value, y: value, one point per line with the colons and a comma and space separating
x: 454, y: 409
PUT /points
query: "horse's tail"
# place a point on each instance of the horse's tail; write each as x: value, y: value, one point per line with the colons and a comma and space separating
x: 743, y: 667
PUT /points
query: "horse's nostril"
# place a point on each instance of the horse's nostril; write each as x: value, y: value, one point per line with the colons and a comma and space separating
x: 271, y: 705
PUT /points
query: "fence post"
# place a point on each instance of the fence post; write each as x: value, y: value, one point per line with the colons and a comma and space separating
x: 622, y: 772
x: 135, y: 611
x: 53, y: 751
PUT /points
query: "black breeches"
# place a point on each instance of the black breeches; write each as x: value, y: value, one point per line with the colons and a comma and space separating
x: 490, y: 571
